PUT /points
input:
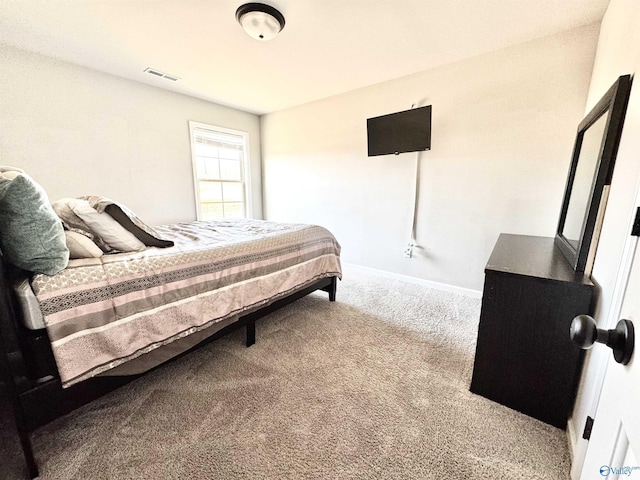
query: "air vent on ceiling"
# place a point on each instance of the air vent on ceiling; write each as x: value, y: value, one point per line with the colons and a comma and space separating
x: 158, y: 73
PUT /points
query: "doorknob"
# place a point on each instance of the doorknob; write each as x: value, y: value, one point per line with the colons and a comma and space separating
x: 585, y: 333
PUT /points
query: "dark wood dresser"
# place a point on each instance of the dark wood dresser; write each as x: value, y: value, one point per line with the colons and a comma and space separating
x: 525, y: 359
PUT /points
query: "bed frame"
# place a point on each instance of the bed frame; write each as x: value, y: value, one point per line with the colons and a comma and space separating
x: 29, y: 374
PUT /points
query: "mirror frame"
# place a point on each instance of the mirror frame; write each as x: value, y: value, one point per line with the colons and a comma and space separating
x: 614, y: 102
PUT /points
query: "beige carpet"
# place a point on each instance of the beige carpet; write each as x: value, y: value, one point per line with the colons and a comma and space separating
x: 374, y: 386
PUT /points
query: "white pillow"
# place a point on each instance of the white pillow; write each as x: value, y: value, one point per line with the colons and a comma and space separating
x: 10, y: 175
x: 10, y: 172
x: 63, y: 209
x: 80, y: 246
x: 101, y: 225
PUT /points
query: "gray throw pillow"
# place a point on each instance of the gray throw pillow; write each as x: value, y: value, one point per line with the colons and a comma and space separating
x: 31, y: 234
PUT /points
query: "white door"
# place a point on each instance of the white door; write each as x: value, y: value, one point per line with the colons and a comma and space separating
x: 614, y: 448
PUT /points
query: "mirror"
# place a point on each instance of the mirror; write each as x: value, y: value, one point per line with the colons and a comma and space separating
x: 583, y: 179
x: 590, y: 175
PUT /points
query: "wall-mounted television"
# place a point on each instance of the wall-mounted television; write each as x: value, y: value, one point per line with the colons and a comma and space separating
x: 400, y: 132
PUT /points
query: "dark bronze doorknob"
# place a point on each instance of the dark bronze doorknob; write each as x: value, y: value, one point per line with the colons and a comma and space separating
x: 585, y: 334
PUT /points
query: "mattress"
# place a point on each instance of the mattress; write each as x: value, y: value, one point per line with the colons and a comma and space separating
x: 100, y: 313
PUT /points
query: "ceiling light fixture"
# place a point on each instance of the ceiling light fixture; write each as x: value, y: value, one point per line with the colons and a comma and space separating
x: 260, y: 21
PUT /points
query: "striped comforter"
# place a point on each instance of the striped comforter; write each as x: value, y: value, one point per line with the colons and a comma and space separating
x: 100, y: 313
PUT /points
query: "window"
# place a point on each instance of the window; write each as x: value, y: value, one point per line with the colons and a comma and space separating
x: 220, y: 171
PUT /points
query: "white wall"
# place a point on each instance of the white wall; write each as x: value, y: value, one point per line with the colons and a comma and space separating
x: 618, y: 53
x: 503, y: 131
x: 81, y: 132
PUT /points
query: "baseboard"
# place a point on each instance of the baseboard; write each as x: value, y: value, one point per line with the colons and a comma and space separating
x: 572, y: 441
x: 571, y: 438
x: 468, y: 292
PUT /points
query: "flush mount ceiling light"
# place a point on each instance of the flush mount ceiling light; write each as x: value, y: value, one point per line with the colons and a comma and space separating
x: 260, y: 21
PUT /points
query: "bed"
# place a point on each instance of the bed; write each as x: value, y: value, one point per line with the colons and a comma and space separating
x: 106, y: 318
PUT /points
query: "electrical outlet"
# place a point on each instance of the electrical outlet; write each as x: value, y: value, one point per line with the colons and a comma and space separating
x: 408, y: 251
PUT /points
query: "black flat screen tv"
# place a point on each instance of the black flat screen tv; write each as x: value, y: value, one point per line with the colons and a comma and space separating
x: 407, y: 131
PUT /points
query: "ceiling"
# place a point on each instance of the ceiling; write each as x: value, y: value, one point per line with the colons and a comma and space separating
x: 327, y: 46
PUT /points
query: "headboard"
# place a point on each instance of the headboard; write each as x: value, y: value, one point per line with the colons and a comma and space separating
x: 10, y: 352
x: 18, y: 344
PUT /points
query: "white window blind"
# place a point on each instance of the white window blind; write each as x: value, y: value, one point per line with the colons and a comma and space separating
x: 219, y: 170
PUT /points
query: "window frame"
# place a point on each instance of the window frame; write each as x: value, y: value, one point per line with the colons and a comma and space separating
x: 245, y: 168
